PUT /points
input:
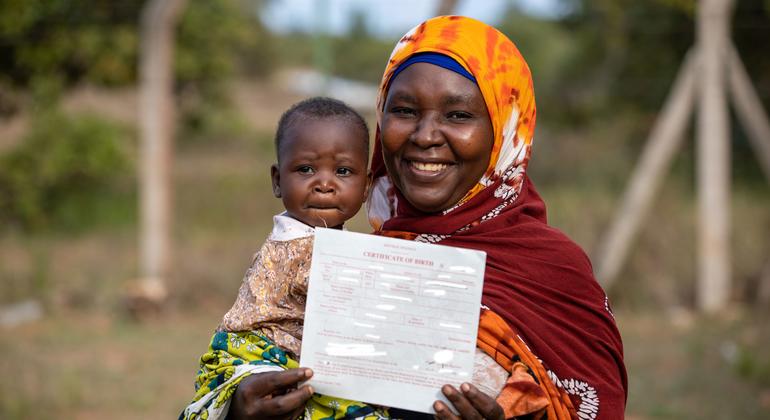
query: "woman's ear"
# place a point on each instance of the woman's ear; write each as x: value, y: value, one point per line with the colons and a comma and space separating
x: 275, y: 175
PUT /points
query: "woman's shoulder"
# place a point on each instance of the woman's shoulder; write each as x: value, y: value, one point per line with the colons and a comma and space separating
x: 535, y: 240
x: 560, y: 246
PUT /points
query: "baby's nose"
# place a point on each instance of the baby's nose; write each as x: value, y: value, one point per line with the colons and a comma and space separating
x: 324, y: 185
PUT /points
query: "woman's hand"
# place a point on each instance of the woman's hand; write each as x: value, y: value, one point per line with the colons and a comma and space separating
x: 272, y: 395
x: 469, y: 402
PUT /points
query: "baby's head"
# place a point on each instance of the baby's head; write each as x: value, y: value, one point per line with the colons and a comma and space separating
x: 322, y: 147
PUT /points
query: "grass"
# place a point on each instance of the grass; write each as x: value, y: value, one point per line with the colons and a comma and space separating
x: 97, y: 365
x: 690, y: 369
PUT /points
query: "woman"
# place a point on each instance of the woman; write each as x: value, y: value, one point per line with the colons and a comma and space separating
x: 456, y: 115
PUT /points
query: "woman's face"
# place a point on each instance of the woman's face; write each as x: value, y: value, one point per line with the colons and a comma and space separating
x: 436, y: 136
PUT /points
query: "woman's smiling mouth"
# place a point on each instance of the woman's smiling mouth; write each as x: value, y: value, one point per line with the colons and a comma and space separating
x: 427, y: 167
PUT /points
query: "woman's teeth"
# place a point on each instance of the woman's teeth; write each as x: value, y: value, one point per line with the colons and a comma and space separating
x: 432, y: 167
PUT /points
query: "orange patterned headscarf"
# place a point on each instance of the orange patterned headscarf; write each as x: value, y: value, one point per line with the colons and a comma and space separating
x: 506, y: 85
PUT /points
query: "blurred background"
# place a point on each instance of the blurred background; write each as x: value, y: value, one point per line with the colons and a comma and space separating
x: 74, y: 344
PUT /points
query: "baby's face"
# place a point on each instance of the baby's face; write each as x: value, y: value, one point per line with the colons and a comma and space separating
x: 322, y: 175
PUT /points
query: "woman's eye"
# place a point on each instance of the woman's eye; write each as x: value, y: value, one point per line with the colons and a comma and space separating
x: 459, y: 115
x: 344, y: 171
x: 401, y: 110
x: 305, y: 169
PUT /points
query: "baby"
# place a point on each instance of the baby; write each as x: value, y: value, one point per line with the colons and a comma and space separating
x: 321, y: 175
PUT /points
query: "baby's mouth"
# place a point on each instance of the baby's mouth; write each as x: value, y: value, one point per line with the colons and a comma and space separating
x: 312, y: 207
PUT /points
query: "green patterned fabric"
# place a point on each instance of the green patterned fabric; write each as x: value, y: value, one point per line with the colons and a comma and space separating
x: 233, y: 356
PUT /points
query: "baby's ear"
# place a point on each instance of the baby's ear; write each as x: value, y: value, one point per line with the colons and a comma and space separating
x: 369, y: 178
x: 275, y: 175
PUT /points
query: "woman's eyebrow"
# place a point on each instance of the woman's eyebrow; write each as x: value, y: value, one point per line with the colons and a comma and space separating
x: 403, y: 96
x: 458, y: 99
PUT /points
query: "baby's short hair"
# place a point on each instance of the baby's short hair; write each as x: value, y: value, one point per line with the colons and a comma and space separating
x: 318, y: 108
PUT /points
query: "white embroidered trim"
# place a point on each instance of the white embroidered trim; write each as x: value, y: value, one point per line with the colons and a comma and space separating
x: 430, y: 238
x: 607, y: 306
x: 589, y: 399
x: 504, y: 191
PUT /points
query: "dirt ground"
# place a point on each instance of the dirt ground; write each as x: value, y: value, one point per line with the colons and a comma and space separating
x: 98, y: 365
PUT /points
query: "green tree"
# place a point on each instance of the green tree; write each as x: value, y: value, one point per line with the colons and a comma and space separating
x: 624, y: 54
x: 96, y: 41
x: 65, y: 170
x: 73, y: 39
x: 359, y: 55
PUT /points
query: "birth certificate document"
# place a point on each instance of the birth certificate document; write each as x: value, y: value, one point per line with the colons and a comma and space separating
x: 389, y: 321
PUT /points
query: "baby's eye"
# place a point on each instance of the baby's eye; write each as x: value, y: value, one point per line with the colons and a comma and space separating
x: 305, y: 169
x: 344, y: 171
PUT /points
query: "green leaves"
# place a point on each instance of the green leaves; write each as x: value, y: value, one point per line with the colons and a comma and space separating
x: 57, y: 172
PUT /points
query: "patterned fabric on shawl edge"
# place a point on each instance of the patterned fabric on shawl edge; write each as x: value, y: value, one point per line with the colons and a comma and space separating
x: 233, y: 356
x: 529, y: 390
x: 538, y: 280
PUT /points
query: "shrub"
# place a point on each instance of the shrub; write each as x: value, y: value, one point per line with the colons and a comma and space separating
x: 63, y: 170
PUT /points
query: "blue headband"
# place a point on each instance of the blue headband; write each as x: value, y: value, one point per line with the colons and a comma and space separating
x: 438, y: 59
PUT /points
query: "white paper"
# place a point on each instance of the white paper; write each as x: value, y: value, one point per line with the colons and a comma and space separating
x: 389, y: 321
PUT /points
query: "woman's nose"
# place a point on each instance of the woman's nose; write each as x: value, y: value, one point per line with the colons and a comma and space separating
x: 427, y: 133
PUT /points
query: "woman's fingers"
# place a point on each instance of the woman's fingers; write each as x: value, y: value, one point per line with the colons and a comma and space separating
x: 264, y: 384
x: 289, y: 403
x: 270, y: 395
x: 443, y: 412
x: 281, y: 381
x: 460, y: 403
x: 484, y: 404
x: 470, y: 403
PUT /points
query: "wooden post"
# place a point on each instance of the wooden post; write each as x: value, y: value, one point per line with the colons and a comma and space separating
x: 156, y: 115
x: 713, y: 157
x: 763, y: 290
x: 749, y: 110
x: 446, y: 7
x: 664, y: 140
x: 716, y: 62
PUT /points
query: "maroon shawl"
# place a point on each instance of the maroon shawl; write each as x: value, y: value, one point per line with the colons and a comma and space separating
x: 541, y: 283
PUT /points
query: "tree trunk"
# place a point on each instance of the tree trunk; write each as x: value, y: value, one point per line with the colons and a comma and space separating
x: 713, y: 157
x: 749, y: 110
x: 446, y: 7
x: 156, y: 120
x: 763, y: 291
